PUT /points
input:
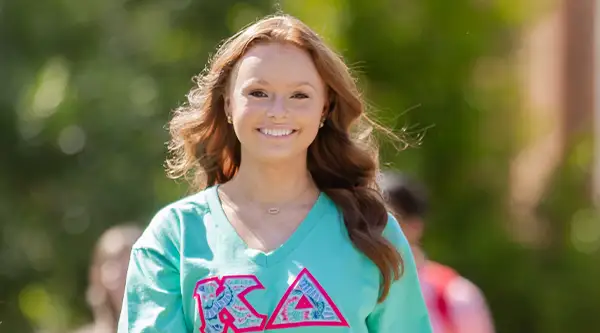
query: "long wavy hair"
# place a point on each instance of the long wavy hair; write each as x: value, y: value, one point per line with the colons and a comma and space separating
x: 342, y: 160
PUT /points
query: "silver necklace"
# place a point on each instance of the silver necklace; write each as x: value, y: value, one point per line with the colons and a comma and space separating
x: 277, y: 210
x: 273, y: 210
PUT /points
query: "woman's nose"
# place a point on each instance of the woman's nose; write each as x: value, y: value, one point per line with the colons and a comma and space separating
x: 277, y: 108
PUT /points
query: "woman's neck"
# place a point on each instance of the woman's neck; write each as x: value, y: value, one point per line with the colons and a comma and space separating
x: 271, y: 184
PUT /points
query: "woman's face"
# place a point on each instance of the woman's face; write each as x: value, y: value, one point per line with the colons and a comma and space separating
x: 276, y: 100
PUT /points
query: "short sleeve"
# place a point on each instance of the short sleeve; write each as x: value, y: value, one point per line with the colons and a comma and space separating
x: 404, y: 309
x: 152, y: 302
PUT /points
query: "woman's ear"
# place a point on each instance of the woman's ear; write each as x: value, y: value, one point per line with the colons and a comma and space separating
x: 227, y: 102
x: 330, y: 105
x: 227, y: 109
x: 327, y: 108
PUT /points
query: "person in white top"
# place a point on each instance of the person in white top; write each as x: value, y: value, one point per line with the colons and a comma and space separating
x: 455, y: 304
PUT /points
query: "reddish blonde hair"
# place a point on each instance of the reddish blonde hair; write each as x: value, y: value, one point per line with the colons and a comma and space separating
x: 205, y: 149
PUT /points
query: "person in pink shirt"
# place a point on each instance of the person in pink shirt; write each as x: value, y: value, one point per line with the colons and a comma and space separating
x: 455, y: 304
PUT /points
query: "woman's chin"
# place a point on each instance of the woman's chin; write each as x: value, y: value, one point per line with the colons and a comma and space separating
x: 278, y: 155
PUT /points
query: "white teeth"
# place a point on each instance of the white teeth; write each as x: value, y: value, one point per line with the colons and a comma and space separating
x: 276, y: 132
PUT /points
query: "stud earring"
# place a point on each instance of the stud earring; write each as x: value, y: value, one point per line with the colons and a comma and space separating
x: 229, y: 120
x: 322, y: 123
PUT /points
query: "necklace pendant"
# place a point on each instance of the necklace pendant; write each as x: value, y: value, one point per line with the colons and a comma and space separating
x: 273, y: 210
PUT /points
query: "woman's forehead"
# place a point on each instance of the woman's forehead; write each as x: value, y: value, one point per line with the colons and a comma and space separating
x: 277, y: 64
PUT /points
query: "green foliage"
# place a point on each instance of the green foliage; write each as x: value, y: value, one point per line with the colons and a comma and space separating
x: 86, y: 92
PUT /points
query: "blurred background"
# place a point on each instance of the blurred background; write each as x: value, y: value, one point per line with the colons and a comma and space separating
x: 506, y: 92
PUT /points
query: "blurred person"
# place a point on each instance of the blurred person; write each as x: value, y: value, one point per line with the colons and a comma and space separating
x: 287, y: 232
x: 455, y: 304
x: 107, y: 277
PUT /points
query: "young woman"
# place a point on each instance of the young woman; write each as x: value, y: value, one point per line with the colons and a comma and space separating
x: 107, y: 277
x: 288, y: 232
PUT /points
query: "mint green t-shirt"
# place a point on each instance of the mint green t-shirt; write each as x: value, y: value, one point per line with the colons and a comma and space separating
x: 191, y: 272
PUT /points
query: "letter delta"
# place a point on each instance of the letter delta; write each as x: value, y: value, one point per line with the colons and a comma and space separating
x: 223, y: 307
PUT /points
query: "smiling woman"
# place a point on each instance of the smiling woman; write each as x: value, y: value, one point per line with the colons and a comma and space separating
x: 276, y: 102
x: 287, y: 230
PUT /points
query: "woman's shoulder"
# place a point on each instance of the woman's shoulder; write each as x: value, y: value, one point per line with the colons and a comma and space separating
x: 395, y: 235
x: 196, y: 203
x: 168, y: 224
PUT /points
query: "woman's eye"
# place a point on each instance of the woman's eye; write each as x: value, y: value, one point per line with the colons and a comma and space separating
x: 300, y: 96
x: 258, y: 94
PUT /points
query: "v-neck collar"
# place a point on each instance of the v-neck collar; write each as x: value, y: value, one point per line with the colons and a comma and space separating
x: 261, y: 258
